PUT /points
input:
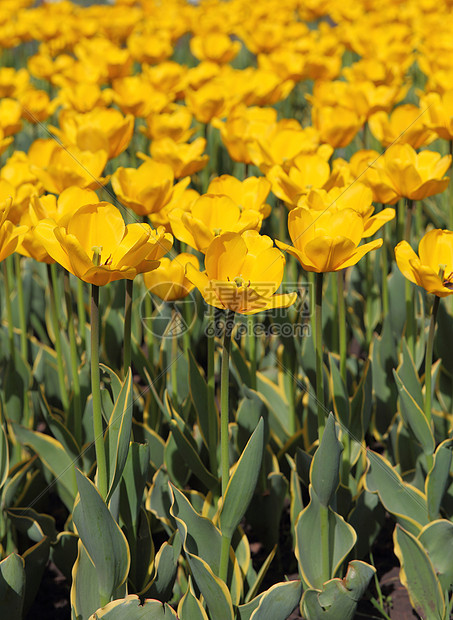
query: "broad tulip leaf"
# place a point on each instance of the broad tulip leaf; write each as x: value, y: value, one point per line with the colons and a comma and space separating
x: 144, y: 434
x: 118, y: 434
x: 408, y: 375
x: 34, y: 524
x: 414, y: 416
x: 279, y: 601
x: 103, y: 539
x: 190, y: 608
x: 85, y: 598
x: 55, y: 458
x: 418, y: 576
x: 199, y: 535
x: 313, y: 521
x: 384, y: 359
x: 339, y: 597
x: 133, y: 609
x: 361, y: 404
x: 325, y: 465
x: 35, y: 559
x: 437, y: 540
x: 242, y: 483
x: 12, y: 585
x: 64, y: 552
x: 438, y: 477
x: 401, y: 499
x: 166, y: 566
x: 213, y: 589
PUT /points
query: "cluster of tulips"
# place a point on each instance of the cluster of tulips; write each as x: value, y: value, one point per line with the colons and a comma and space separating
x: 192, y: 150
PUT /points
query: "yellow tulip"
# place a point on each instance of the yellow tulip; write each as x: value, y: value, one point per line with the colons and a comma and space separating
x: 174, y: 124
x: 10, y: 235
x: 83, y: 97
x: 406, y: 124
x: 59, y: 167
x: 336, y: 125
x: 10, y: 115
x: 146, y: 189
x: 438, y: 114
x: 100, y: 129
x: 168, y: 281
x: 248, y: 194
x: 37, y: 106
x: 152, y: 48
x: 184, y: 159
x: 97, y: 247
x: 432, y: 269
x: 209, y: 216
x: 215, y: 47
x: 326, y: 241
x: 135, y: 95
x: 242, y: 274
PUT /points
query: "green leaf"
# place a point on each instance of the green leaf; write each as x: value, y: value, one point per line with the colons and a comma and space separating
x: 409, y: 376
x: 401, y: 499
x: 4, y: 454
x: 279, y: 601
x: 414, y: 416
x: 133, y: 609
x: 418, y: 576
x: 339, y: 597
x: 438, y: 478
x: 166, y: 563
x: 85, y: 598
x: 213, y: 589
x: 339, y: 394
x: 64, y: 552
x: 437, y: 540
x: 143, y: 434
x: 190, y: 608
x: 384, y: 360
x: 118, y: 434
x: 104, y: 541
x: 55, y: 458
x: 34, y: 524
x: 341, y: 538
x: 199, y: 535
x: 12, y: 586
x: 361, y: 404
x: 325, y: 465
x: 242, y: 483
x: 35, y: 559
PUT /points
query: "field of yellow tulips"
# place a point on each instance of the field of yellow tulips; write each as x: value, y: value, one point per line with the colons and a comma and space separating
x: 226, y: 300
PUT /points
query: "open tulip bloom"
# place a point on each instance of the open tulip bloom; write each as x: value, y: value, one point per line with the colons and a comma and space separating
x: 327, y: 241
x: 432, y: 269
x: 97, y: 246
x: 242, y: 274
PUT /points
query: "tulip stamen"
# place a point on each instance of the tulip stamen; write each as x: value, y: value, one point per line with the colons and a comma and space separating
x: 97, y: 251
x: 448, y: 281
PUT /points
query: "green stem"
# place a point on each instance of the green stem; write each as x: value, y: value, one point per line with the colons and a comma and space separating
x: 385, y: 269
x: 450, y: 200
x: 127, y: 326
x: 318, y: 348
x: 224, y: 438
x: 56, y: 328
x: 96, y: 394
x: 174, y: 368
x: 369, y: 297
x: 410, y: 317
x: 251, y: 339
x: 342, y: 324
x: 401, y: 217
x: 212, y: 413
x: 148, y: 333
x: 335, y: 343
x: 74, y: 361
x: 429, y: 359
x: 22, y: 319
x: 81, y: 312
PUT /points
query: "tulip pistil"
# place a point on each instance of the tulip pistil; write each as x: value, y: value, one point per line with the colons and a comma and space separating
x: 97, y: 250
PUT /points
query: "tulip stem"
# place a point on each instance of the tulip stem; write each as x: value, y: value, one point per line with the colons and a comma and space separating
x: 318, y: 348
x: 20, y: 298
x: 410, y: 318
x: 96, y: 394
x: 335, y: 342
x: 212, y: 413
x: 342, y: 324
x: 385, y: 269
x: 174, y: 367
x: 127, y: 326
x: 429, y: 359
x: 81, y: 312
x: 252, y: 349
x: 54, y: 300
x: 74, y: 362
x: 449, y: 189
x: 224, y: 438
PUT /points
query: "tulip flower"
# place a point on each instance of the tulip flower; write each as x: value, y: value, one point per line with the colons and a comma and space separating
x: 242, y: 274
x: 435, y: 255
x: 10, y: 116
x: 209, y: 216
x: 169, y: 281
x: 146, y: 189
x: 184, y: 159
x: 406, y: 124
x: 327, y: 241
x: 97, y: 247
x: 174, y: 124
x: 439, y: 113
x: 215, y: 47
x: 135, y: 95
x: 10, y: 235
x: 248, y: 194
